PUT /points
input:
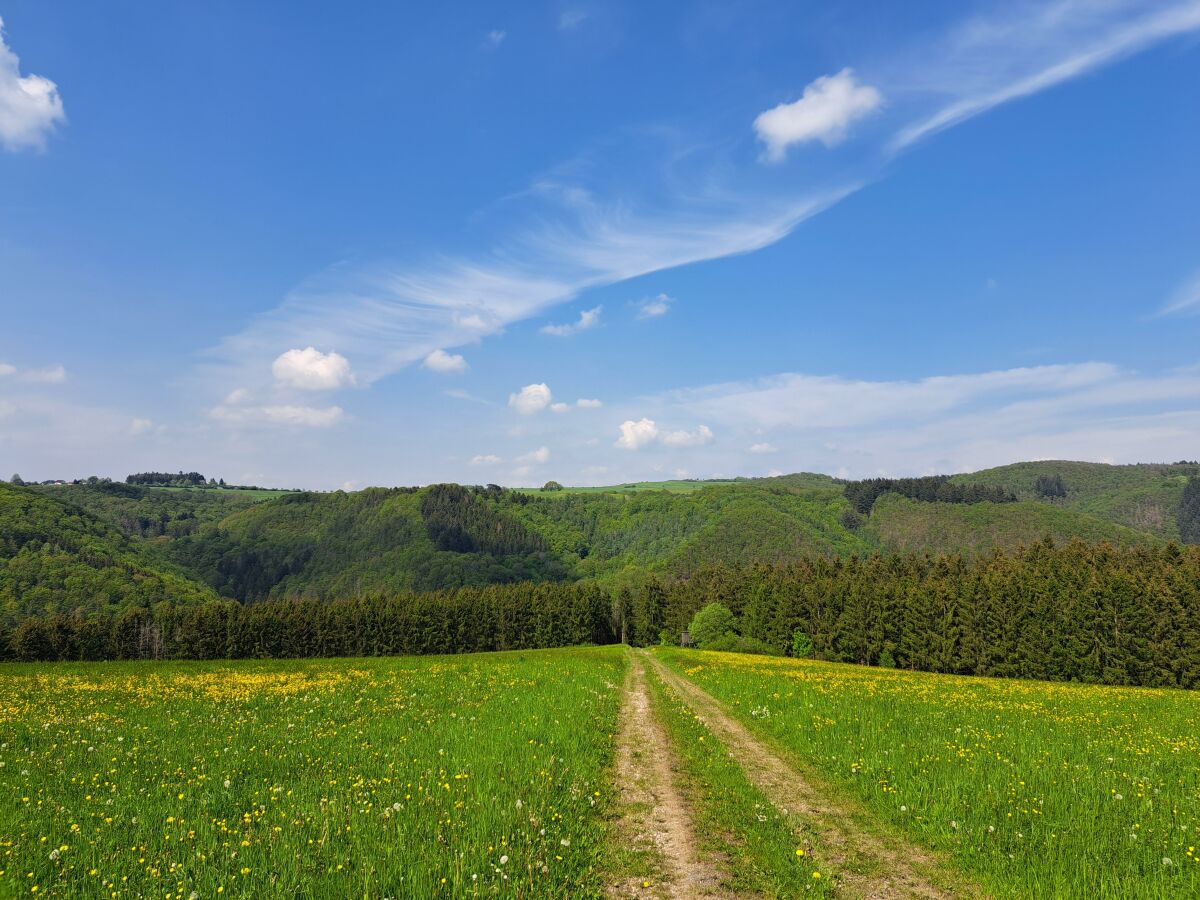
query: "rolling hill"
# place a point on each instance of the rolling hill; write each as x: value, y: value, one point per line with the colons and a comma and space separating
x: 106, y: 546
x: 58, y: 558
x: 1144, y: 496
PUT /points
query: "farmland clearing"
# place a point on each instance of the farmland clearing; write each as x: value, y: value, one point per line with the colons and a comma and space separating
x: 588, y: 772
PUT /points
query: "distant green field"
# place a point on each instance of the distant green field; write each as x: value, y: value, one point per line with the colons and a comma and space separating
x: 802, y: 480
x: 634, y: 487
x: 458, y: 776
x: 256, y: 493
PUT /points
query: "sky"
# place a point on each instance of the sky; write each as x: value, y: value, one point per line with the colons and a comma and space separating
x: 393, y: 244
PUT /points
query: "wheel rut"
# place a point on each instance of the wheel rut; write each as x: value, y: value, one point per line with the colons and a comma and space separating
x: 655, y: 817
x: 871, y: 865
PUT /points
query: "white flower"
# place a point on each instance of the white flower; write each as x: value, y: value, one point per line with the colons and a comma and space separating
x: 503, y: 859
x: 1167, y: 861
x: 54, y: 854
x: 565, y: 842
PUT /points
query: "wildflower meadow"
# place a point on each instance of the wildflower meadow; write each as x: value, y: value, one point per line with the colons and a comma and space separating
x: 1032, y: 788
x: 412, y: 777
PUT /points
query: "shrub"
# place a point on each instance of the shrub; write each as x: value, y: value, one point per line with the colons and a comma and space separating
x: 802, y: 645
x: 711, y: 623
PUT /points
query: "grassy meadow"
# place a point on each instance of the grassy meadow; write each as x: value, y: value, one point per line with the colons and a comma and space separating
x: 1034, y: 789
x: 430, y: 777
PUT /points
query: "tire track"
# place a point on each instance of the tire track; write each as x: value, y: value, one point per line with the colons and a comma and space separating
x: 871, y: 865
x: 655, y: 816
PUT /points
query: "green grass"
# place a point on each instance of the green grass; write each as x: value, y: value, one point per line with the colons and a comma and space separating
x: 1033, y: 789
x: 633, y: 487
x: 425, y: 777
x: 255, y: 493
x: 732, y: 818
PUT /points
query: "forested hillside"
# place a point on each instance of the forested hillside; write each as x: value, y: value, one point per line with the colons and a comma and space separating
x: 55, y: 557
x: 371, y: 541
x: 105, y: 545
x: 1144, y: 496
x: 899, y: 525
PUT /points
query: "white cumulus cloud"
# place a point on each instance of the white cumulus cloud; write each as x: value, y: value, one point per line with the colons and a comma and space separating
x: 588, y: 318
x: 560, y: 407
x: 655, y: 307
x: 823, y: 113
x: 635, y: 435
x: 536, y: 457
x: 585, y: 403
x: 29, y: 104
x: 445, y: 363
x: 531, y: 399
x: 311, y: 370
x: 486, y: 459
x: 763, y: 448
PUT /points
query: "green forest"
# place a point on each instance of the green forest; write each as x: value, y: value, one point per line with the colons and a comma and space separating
x: 112, y: 559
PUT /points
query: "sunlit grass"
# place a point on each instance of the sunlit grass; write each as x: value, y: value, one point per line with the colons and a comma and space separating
x: 436, y: 776
x: 763, y: 850
x: 1035, y: 789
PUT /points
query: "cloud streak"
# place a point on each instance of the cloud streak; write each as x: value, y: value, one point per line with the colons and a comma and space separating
x: 992, y: 62
x: 1184, y: 300
x: 942, y: 423
x: 565, y: 242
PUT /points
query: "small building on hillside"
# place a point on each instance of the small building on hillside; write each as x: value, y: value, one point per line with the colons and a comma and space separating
x: 685, y: 639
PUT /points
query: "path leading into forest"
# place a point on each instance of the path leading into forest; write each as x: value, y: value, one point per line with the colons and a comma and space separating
x: 655, y: 819
x: 871, y: 863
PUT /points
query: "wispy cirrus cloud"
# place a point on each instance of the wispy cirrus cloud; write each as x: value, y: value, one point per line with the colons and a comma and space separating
x: 55, y: 374
x: 386, y: 318
x: 1026, y: 48
x: 1184, y: 300
x: 573, y: 235
x: 943, y: 423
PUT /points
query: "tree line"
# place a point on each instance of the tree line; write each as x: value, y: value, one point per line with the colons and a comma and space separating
x: 468, y: 620
x: 172, y: 479
x: 930, y: 489
x: 1073, y: 612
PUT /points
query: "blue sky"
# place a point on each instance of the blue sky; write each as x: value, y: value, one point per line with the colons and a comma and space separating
x: 596, y: 242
